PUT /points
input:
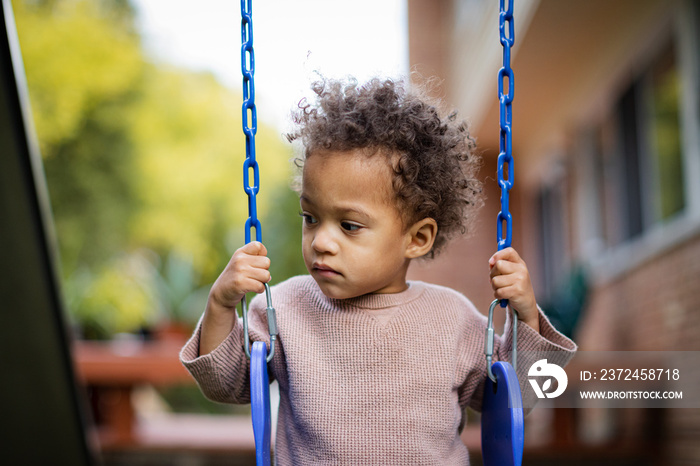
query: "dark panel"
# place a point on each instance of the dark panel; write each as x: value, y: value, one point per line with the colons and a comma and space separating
x: 40, y: 411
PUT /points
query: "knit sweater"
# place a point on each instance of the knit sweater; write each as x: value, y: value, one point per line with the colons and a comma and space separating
x: 378, y: 379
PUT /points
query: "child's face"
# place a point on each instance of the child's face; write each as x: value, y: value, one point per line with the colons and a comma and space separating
x: 353, y: 240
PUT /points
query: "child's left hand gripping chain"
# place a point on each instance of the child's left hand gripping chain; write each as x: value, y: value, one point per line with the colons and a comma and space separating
x: 510, y: 280
x: 247, y: 271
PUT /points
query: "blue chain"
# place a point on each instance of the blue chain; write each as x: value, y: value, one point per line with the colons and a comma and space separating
x: 250, y: 128
x: 505, y: 157
x: 259, y: 356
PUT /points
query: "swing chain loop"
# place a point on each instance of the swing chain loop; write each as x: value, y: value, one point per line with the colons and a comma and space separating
x: 250, y: 128
x: 505, y: 156
x: 489, y: 338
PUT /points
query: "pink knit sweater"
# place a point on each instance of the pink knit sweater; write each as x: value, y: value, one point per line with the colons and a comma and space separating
x: 379, y: 379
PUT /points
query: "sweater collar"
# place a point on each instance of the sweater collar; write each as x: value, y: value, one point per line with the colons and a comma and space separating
x: 383, y: 300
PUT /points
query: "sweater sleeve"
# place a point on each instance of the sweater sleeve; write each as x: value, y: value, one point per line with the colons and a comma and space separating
x: 531, y: 346
x: 223, y: 375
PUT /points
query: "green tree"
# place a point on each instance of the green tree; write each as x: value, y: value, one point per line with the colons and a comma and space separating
x: 77, y: 58
x: 81, y: 91
x: 144, y: 166
x: 191, y: 149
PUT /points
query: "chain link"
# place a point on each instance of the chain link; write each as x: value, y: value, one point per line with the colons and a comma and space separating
x: 250, y: 120
x: 505, y: 157
x: 506, y: 28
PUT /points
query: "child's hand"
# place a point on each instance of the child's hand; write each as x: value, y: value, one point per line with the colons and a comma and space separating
x: 510, y: 280
x: 247, y: 272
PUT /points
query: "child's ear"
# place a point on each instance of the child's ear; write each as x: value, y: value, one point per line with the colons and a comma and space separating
x: 421, y: 237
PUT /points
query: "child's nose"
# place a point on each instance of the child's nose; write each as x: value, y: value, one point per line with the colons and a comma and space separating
x: 323, y: 241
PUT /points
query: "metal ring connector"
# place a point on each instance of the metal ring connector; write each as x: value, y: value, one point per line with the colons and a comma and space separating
x: 489, y: 337
x: 271, y: 324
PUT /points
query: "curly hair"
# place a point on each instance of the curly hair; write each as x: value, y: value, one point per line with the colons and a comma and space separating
x: 432, y: 154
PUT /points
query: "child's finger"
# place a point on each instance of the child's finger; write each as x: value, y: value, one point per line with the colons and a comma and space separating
x: 259, y: 262
x: 507, y: 292
x: 507, y: 254
x: 502, y: 281
x: 255, y: 248
x: 504, y: 267
x: 259, y: 275
x: 252, y: 255
x: 251, y: 285
x: 252, y: 280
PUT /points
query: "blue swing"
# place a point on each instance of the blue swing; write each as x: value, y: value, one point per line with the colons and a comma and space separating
x: 259, y: 356
x: 260, y: 401
x: 260, y: 382
x: 502, y: 418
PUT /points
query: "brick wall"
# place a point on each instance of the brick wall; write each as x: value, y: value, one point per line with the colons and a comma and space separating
x: 653, y: 307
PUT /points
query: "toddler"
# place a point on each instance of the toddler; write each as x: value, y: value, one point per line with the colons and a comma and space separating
x: 372, y: 369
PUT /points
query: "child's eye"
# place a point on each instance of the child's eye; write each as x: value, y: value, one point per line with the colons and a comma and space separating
x: 347, y: 226
x: 308, y: 219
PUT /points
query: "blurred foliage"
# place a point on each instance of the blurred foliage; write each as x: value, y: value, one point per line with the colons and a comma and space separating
x: 190, y: 146
x: 81, y: 93
x: 143, y: 163
x: 568, y: 302
x: 178, y: 290
x: 115, y: 297
x: 282, y: 235
x: 69, y: 75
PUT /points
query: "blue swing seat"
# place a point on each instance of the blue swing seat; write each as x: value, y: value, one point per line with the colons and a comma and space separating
x: 502, y: 419
x: 260, y: 402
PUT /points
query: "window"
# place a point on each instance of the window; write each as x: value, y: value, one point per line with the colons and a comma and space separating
x: 633, y: 165
x: 665, y: 125
x: 630, y: 155
x: 638, y: 159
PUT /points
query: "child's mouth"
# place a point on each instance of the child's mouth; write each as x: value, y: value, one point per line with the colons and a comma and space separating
x: 325, y: 271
